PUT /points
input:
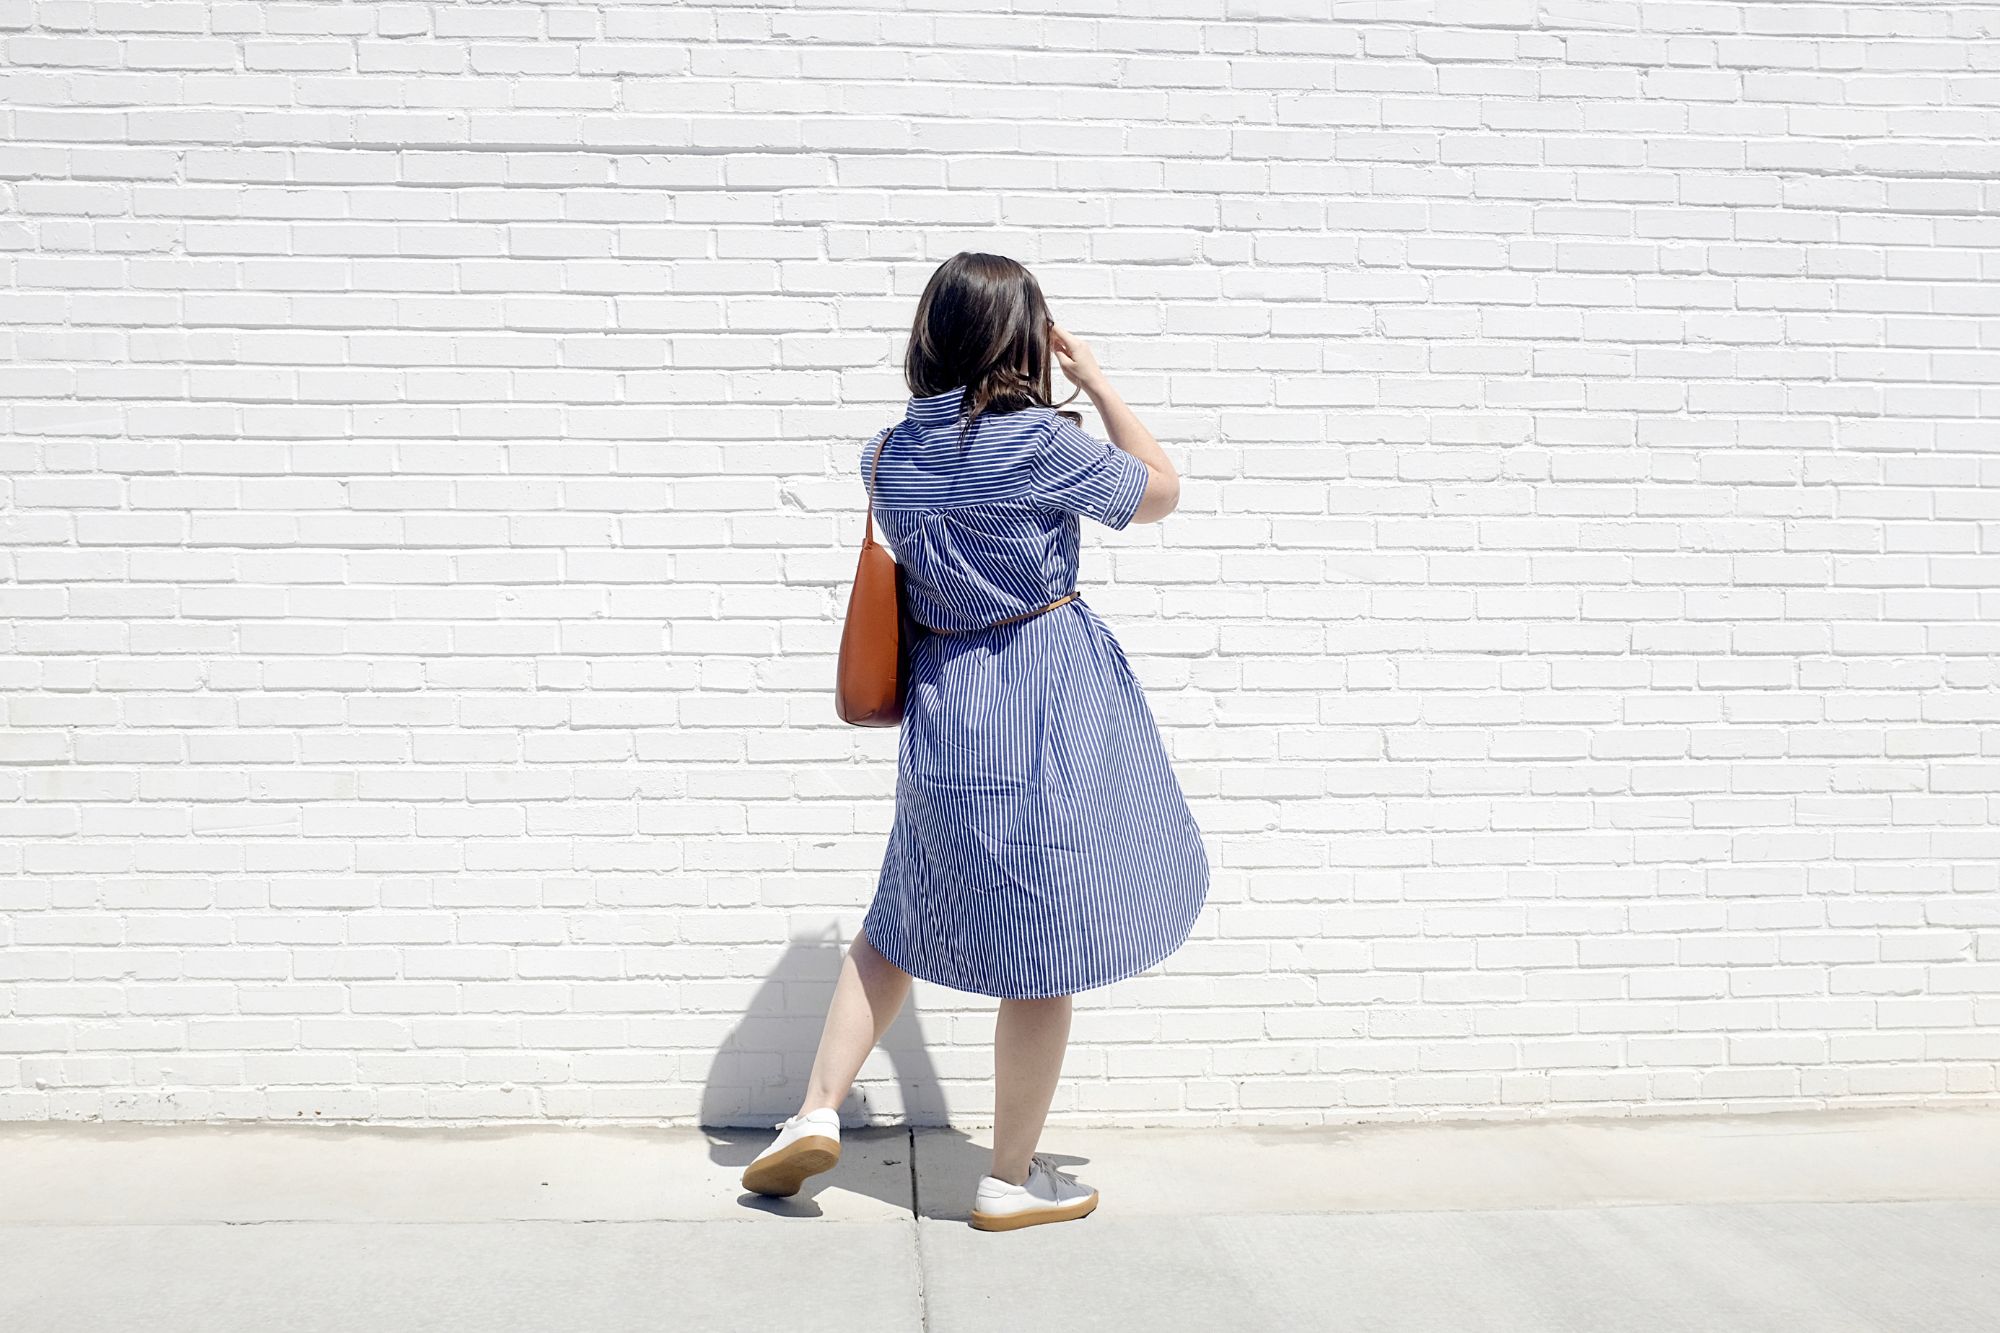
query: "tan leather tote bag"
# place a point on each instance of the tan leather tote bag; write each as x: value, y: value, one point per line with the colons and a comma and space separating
x: 874, y: 667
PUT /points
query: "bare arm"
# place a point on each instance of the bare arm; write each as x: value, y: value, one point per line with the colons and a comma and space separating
x: 1122, y: 424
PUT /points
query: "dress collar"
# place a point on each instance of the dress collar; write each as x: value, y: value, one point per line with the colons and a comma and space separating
x: 938, y: 409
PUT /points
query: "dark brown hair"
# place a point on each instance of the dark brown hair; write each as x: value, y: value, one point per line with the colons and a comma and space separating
x: 982, y: 324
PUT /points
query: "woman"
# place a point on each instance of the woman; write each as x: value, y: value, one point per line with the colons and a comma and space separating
x: 1041, y: 844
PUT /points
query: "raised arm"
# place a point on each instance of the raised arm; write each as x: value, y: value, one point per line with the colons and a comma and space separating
x: 1122, y: 424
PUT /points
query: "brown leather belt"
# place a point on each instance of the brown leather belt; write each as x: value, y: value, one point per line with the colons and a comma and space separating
x: 1069, y: 596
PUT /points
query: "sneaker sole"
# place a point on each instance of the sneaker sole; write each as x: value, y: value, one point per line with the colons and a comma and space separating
x: 783, y: 1172
x: 1069, y: 1212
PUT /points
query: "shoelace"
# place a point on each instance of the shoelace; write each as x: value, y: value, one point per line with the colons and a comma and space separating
x: 1055, y: 1172
x: 788, y: 1122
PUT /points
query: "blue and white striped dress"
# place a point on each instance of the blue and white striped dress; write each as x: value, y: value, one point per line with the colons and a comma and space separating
x: 1042, y: 844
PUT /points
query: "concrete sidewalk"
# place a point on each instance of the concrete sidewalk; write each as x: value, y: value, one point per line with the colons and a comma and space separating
x: 1822, y: 1222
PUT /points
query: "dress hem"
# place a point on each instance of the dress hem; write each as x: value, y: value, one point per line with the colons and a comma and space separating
x: 1186, y: 934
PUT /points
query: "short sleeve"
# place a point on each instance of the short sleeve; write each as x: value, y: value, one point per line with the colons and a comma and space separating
x: 1077, y: 472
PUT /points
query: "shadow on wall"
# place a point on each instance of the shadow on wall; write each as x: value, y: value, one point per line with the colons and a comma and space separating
x: 760, y: 1070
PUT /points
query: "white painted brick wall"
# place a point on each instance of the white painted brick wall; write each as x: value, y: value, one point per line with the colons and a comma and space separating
x: 428, y: 512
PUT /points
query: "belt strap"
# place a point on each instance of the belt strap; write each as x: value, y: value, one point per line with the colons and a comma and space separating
x: 1069, y: 596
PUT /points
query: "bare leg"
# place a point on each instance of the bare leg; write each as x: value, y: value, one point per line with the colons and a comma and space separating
x: 1029, y: 1039
x: 866, y: 999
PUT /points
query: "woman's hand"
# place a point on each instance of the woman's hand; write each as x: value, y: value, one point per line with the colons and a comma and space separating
x: 1078, y: 362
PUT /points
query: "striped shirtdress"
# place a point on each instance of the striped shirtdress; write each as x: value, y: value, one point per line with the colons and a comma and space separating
x: 1041, y: 843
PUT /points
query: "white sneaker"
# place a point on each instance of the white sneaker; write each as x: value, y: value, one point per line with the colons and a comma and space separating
x: 806, y: 1145
x: 1050, y: 1195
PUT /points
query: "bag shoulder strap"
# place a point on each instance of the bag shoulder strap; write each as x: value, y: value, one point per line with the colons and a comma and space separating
x: 868, y: 524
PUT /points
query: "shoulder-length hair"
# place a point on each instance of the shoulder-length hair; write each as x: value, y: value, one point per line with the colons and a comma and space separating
x: 982, y: 324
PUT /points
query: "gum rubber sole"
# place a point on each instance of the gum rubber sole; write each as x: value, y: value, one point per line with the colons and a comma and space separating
x: 781, y: 1174
x: 1069, y: 1212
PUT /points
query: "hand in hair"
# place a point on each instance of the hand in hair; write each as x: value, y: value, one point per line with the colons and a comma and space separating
x: 1073, y: 354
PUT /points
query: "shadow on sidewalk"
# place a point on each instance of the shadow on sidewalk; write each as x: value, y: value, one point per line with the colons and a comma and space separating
x: 757, y: 1073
